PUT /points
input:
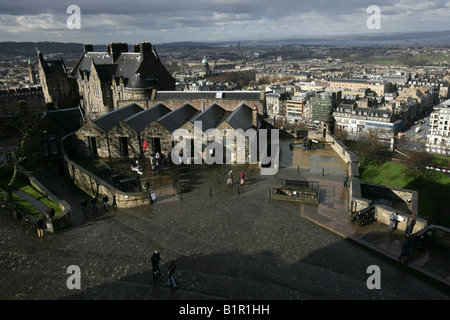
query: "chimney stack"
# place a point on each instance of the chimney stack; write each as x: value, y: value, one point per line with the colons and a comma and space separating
x: 114, y: 49
x: 255, y: 117
x: 88, y: 47
x: 145, y: 49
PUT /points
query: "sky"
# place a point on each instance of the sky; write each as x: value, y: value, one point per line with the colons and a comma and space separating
x: 165, y: 21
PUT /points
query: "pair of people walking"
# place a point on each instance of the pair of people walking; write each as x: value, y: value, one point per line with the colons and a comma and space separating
x: 94, y: 201
x: 171, y: 279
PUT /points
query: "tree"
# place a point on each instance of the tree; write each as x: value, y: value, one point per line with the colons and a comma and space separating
x: 416, y: 165
x: 24, y: 124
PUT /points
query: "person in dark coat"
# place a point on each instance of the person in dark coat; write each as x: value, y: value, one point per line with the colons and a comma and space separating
x: 410, y: 223
x: 406, y: 250
x: 40, y: 227
x: 171, y: 275
x: 105, y: 200
x: 155, y: 263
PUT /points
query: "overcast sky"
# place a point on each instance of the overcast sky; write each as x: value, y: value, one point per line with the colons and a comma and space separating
x: 162, y: 21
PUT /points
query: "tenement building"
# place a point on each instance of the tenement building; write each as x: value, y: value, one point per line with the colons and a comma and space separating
x: 360, y: 117
x: 438, y: 138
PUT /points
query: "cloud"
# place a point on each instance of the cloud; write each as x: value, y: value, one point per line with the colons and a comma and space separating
x: 205, y: 20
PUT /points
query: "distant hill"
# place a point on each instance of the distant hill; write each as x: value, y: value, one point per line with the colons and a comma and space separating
x: 28, y: 49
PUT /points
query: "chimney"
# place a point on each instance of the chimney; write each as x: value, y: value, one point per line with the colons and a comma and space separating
x: 87, y: 47
x: 255, y: 117
x: 145, y: 49
x: 114, y: 49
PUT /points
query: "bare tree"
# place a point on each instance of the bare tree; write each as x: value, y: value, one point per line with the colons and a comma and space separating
x: 24, y: 123
x: 416, y: 165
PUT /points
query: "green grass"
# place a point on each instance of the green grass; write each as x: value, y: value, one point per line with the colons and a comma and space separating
x: 21, y: 203
x: 433, y: 193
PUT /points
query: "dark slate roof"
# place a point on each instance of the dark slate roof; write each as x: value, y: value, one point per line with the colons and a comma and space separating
x: 84, y: 64
x: 211, y: 117
x: 211, y: 95
x: 70, y: 119
x: 241, y: 118
x: 54, y: 67
x: 141, y: 120
x: 110, y: 119
x: 106, y: 71
x: 176, y: 118
x: 126, y: 66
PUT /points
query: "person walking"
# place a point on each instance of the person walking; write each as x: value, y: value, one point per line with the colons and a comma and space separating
x: 393, y: 220
x: 155, y: 264
x: 406, y: 250
x: 242, y: 176
x: 171, y: 275
x: 410, y: 223
x: 230, y: 179
x: 105, y: 200
x: 40, y: 228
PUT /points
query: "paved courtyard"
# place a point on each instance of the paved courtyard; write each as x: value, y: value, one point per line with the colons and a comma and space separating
x: 229, y: 243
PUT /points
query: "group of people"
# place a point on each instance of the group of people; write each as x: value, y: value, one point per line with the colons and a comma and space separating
x: 94, y: 200
x: 156, y: 161
x: 230, y: 178
x: 171, y: 279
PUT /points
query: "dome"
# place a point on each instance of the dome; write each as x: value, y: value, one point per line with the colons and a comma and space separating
x: 204, y: 61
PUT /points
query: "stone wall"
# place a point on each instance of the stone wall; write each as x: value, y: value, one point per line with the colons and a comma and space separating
x: 93, y: 185
x: 383, y: 213
x: 358, y: 190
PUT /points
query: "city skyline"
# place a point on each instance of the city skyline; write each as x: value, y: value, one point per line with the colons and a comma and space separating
x: 172, y: 21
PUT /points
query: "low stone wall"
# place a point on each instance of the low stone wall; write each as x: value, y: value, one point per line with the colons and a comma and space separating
x: 356, y: 200
x: 63, y: 220
x: 408, y: 197
x: 383, y: 215
x: 93, y: 185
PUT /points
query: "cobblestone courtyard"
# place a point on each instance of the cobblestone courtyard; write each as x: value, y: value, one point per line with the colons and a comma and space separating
x: 227, y: 244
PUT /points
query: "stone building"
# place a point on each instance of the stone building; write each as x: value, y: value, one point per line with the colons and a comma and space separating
x: 115, y: 78
x: 93, y: 140
x: 10, y: 99
x: 59, y: 90
x: 355, y: 118
x: 133, y: 132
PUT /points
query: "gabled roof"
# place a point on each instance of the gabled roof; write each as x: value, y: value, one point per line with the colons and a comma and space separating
x: 110, y: 119
x: 53, y: 67
x: 141, y: 120
x: 211, y: 117
x: 70, y: 119
x: 176, y: 118
x: 241, y: 118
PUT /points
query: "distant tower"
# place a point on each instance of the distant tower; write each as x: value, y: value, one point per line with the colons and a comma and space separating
x: 205, y: 66
x: 31, y: 73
